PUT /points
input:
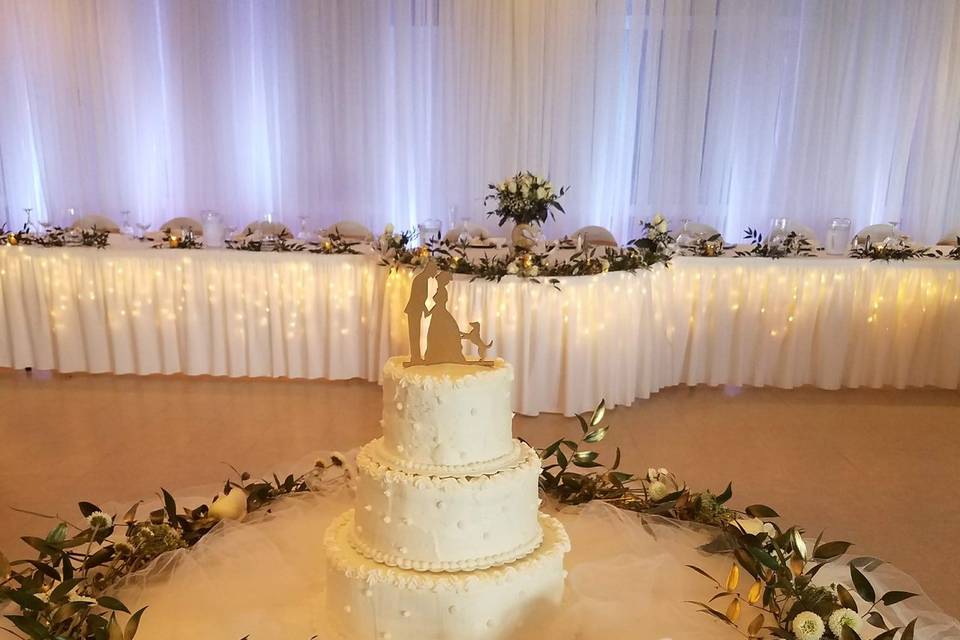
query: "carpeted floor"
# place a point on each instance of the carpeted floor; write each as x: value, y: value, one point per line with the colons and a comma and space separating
x: 875, y: 467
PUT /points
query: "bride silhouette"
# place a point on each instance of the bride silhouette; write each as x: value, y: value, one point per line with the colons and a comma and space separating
x: 443, y: 336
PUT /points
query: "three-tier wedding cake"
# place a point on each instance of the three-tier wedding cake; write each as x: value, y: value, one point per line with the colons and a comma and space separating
x: 446, y: 540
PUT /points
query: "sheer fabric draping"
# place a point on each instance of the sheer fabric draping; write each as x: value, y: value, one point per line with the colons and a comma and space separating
x: 398, y: 110
x: 265, y: 578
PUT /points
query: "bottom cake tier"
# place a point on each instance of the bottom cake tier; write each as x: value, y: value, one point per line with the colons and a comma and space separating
x: 371, y: 601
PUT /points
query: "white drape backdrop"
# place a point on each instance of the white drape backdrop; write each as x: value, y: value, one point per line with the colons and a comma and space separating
x: 726, y: 111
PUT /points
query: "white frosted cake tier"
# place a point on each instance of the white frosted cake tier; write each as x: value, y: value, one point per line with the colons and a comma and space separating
x: 447, y: 415
x: 370, y: 601
x: 446, y: 523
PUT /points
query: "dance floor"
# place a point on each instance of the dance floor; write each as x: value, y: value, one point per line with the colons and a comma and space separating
x: 855, y: 459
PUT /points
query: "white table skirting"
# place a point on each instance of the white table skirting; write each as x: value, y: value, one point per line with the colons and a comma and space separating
x: 826, y: 322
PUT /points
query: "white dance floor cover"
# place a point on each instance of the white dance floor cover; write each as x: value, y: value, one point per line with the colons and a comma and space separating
x: 828, y: 322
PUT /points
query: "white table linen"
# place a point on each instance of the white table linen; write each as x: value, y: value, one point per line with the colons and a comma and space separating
x: 828, y: 322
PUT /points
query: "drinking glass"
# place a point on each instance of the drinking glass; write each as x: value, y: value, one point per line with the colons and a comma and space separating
x: 465, y: 235
x: 778, y: 231
x: 126, y: 227
x: 71, y: 217
x: 685, y: 239
x: 838, y: 236
x: 142, y: 226
x: 29, y: 224
x: 429, y: 230
x: 304, y: 232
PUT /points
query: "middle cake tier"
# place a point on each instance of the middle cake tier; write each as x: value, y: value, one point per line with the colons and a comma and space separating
x: 431, y: 523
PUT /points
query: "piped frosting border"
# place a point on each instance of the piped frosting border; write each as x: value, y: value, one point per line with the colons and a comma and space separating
x: 484, y: 467
x: 346, y: 559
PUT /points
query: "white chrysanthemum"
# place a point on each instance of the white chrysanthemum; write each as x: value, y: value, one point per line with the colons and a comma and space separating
x: 657, y: 490
x: 808, y: 626
x: 844, y: 618
x: 100, y: 520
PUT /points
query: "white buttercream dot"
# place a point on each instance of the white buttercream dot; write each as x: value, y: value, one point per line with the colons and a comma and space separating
x: 405, y: 613
x: 416, y: 426
x: 386, y: 519
x: 439, y: 504
x: 452, y: 608
x: 400, y: 448
x: 368, y: 593
x: 347, y: 609
x: 460, y: 524
x: 399, y: 406
x: 368, y: 507
x: 403, y: 551
x: 387, y: 492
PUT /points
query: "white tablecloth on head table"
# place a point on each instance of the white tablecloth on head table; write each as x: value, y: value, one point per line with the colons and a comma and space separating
x: 829, y: 322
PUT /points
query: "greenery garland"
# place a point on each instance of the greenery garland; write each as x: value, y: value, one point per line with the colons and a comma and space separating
x: 61, y: 594
x: 396, y: 250
x: 56, y: 237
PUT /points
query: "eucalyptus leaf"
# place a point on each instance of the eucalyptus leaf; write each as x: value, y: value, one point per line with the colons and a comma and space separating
x: 893, y: 597
x: 862, y: 585
x: 133, y: 624
x: 113, y: 604
x: 847, y: 600
x: 829, y: 550
x: 761, y: 511
x: 88, y: 508
x: 596, y: 436
x: 908, y: 630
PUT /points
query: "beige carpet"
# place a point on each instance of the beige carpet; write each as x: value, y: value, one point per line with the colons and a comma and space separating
x: 875, y: 467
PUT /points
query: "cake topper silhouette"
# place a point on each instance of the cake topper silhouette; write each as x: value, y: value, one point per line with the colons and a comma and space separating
x: 444, y: 338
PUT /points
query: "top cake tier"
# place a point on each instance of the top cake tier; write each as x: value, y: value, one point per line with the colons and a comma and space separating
x: 447, y: 419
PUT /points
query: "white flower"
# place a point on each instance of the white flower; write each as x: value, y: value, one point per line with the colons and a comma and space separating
x: 512, y: 186
x: 753, y: 526
x: 388, y: 230
x: 502, y: 186
x: 663, y: 472
x: 657, y: 490
x: 533, y: 271
x: 512, y: 268
x: 844, y: 618
x: 232, y: 506
x: 74, y: 597
x: 652, y: 474
x: 525, y: 190
x: 808, y: 626
x: 662, y: 226
x: 541, y: 193
x: 100, y: 520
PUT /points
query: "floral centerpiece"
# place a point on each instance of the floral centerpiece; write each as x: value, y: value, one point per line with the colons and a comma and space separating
x: 527, y: 200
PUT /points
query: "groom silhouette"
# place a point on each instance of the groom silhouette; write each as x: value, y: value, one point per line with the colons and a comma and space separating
x: 416, y: 308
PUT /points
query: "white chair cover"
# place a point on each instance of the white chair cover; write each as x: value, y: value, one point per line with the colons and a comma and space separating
x: 261, y: 228
x: 181, y: 223
x: 594, y: 236
x: 879, y: 232
x: 476, y: 232
x: 103, y: 223
x: 350, y: 230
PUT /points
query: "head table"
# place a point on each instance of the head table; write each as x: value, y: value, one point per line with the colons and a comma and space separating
x: 828, y: 322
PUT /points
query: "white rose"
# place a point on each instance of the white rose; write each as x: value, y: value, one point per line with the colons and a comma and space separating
x: 232, y: 506
x: 808, y: 626
x: 388, y: 230
x: 652, y: 474
x: 512, y: 268
x: 512, y: 186
x: 502, y: 186
x: 844, y: 618
x: 662, y: 226
x: 533, y: 271
x: 657, y: 491
x: 525, y: 191
x: 541, y: 193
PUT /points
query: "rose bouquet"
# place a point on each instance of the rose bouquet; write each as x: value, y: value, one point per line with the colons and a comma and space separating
x: 525, y: 199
